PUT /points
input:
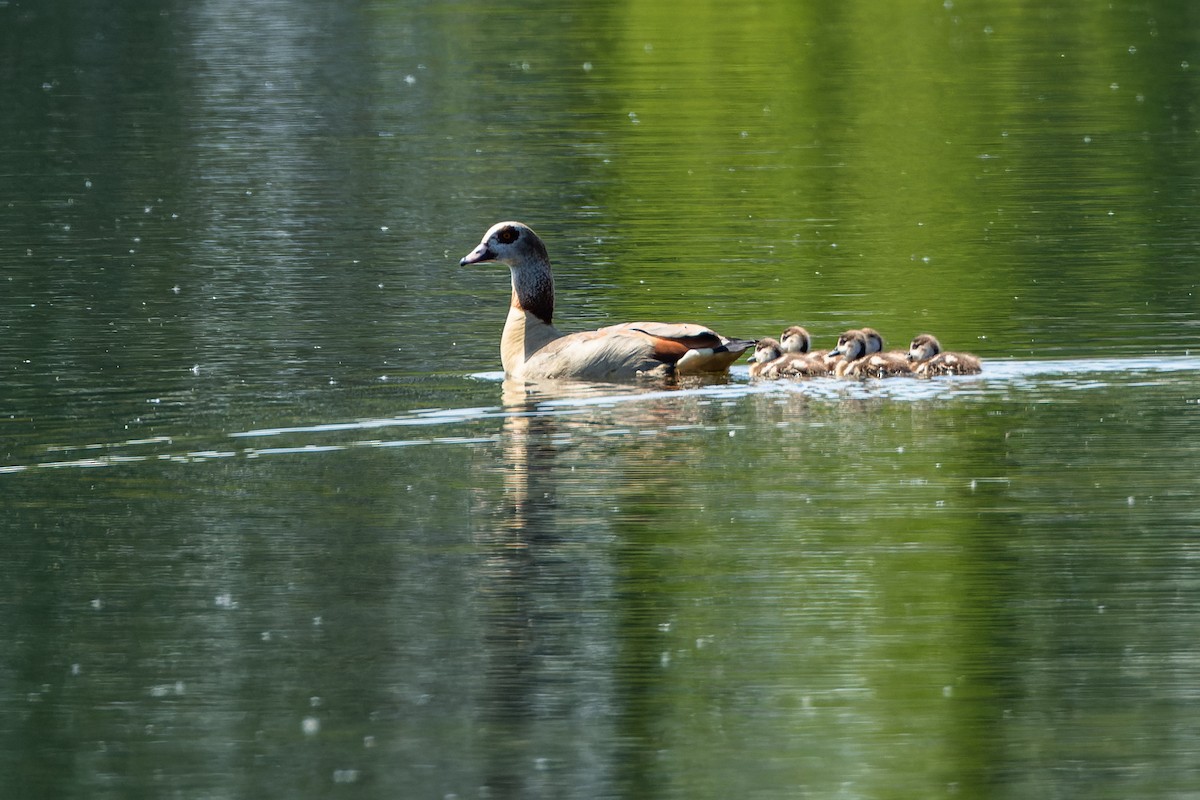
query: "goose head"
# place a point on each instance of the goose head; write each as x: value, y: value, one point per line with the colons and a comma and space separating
x: 795, y: 340
x: 511, y: 243
x: 517, y: 246
x: 923, y: 348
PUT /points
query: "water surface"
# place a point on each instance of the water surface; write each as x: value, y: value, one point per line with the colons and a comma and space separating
x: 274, y: 526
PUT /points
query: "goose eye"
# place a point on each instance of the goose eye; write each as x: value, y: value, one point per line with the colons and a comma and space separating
x: 507, y: 235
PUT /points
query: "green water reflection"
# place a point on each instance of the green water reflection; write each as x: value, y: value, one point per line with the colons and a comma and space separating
x: 267, y: 534
x: 679, y: 596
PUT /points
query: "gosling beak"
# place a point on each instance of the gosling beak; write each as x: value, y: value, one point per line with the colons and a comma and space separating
x: 478, y: 255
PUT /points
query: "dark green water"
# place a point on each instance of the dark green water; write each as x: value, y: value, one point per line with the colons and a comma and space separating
x: 273, y: 528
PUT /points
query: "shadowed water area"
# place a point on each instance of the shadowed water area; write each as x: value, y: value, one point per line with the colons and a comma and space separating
x: 274, y: 525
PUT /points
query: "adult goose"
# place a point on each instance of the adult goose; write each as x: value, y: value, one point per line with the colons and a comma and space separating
x: 532, y: 348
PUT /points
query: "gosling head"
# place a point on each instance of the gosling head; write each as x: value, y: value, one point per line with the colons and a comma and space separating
x: 851, y: 345
x: 795, y: 340
x: 874, y: 340
x: 923, y: 348
x: 766, y: 350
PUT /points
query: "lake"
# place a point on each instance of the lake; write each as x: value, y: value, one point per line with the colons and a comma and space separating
x: 275, y: 525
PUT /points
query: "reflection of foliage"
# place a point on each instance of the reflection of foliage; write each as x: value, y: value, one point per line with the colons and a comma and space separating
x: 993, y: 175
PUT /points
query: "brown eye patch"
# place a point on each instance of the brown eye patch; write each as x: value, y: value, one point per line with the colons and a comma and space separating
x: 507, y: 235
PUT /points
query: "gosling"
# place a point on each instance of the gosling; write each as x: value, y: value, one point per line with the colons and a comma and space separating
x: 927, y: 359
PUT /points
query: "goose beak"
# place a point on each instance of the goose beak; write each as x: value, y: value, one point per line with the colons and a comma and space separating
x: 478, y: 255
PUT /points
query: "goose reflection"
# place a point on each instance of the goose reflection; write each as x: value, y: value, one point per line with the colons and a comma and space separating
x: 537, y: 575
x: 551, y: 530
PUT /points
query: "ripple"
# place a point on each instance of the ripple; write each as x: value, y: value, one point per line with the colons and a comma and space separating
x: 1044, y: 380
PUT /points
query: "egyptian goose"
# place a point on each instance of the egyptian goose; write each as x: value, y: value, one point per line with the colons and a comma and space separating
x: 795, y: 339
x: 925, y: 354
x: 858, y: 362
x: 532, y: 348
x: 770, y: 361
x: 894, y: 361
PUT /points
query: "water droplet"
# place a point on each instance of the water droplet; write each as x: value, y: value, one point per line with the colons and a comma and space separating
x: 345, y: 775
